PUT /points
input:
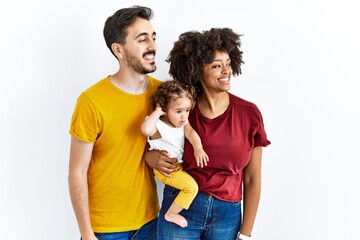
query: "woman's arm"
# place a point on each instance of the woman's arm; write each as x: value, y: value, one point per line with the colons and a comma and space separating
x: 252, y: 188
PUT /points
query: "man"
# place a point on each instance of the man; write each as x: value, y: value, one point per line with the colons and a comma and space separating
x: 112, y: 189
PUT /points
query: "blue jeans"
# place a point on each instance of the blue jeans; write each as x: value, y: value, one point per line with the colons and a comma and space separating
x: 146, y: 232
x: 208, y: 218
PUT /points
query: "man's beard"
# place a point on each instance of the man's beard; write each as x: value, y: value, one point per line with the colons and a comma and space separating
x: 135, y: 63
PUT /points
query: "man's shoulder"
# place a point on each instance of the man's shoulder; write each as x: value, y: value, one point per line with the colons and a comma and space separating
x: 153, y: 83
x: 96, y: 86
x: 154, y: 80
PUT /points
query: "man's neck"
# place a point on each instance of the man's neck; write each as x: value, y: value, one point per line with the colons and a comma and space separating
x: 130, y: 83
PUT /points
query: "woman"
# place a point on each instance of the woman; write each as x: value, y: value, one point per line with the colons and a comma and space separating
x: 232, y: 134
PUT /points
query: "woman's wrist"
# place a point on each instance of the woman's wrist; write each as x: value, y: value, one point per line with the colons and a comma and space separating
x: 243, y: 237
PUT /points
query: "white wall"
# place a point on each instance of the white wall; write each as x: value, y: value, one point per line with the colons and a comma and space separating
x: 301, y: 70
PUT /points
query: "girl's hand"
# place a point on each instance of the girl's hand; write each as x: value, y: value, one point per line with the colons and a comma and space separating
x: 159, y: 110
x: 201, y: 157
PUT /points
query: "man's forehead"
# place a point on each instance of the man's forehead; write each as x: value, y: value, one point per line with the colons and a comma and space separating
x: 141, y: 27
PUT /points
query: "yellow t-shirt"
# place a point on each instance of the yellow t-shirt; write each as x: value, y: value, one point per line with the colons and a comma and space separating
x: 122, y: 190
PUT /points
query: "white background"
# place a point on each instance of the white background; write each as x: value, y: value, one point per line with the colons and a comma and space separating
x: 301, y: 69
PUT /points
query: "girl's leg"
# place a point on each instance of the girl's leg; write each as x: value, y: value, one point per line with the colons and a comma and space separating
x: 172, y: 215
x: 195, y: 217
x: 188, y: 190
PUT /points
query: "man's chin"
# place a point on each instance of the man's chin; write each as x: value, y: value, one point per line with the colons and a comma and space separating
x: 150, y: 70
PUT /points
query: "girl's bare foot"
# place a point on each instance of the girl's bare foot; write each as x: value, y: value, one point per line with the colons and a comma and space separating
x: 176, y: 218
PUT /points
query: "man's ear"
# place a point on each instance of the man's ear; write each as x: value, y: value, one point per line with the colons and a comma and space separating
x: 117, y: 50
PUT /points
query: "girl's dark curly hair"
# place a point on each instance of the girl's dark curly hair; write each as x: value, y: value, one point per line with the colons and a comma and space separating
x: 193, y: 50
x: 171, y: 90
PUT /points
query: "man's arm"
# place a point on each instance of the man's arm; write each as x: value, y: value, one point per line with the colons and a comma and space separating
x: 160, y: 161
x: 80, y: 156
x: 252, y: 188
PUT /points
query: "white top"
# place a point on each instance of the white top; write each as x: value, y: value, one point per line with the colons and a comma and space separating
x: 172, y: 140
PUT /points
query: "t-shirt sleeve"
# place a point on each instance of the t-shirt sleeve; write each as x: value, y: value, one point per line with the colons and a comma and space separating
x: 84, y: 122
x: 260, y: 138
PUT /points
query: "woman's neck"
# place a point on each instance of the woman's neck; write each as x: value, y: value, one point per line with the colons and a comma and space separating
x: 212, y: 106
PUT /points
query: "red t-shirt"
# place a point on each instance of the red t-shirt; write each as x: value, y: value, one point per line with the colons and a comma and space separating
x: 228, y: 140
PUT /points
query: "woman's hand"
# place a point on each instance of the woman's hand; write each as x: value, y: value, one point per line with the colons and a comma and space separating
x: 161, y: 162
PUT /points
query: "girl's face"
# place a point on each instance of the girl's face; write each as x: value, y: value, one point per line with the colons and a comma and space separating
x: 178, y: 111
x: 216, y: 75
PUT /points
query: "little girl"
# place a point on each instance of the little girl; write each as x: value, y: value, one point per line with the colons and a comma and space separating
x: 166, y: 128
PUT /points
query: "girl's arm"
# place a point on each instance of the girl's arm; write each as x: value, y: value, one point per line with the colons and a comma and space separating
x: 200, y: 155
x: 252, y: 188
x: 148, y: 128
x: 157, y: 159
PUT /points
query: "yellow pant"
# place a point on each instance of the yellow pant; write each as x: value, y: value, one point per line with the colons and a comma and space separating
x: 182, y: 181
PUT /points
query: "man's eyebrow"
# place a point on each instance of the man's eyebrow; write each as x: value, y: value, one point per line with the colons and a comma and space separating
x: 144, y: 34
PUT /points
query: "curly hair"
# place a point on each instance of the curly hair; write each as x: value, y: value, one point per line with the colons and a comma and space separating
x: 195, y: 49
x: 115, y: 29
x: 171, y: 90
